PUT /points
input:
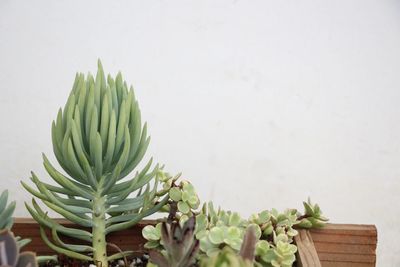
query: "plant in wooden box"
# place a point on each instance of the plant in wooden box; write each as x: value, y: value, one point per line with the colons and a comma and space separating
x: 222, y: 232
x: 98, y: 139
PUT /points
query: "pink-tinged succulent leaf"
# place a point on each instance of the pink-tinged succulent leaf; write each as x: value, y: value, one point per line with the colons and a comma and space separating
x: 158, y: 259
x: 8, y: 249
x: 180, y: 244
x: 27, y: 259
x: 249, y: 244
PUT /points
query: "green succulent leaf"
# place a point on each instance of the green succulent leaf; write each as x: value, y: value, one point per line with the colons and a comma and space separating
x: 175, y: 194
x: 234, y: 219
x: 262, y: 247
x: 183, y: 207
x: 152, y: 233
x: 216, y: 235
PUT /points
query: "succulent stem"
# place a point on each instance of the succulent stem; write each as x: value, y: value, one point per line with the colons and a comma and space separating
x: 98, y: 232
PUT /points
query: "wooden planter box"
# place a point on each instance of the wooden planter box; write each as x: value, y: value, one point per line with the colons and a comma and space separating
x: 336, y: 245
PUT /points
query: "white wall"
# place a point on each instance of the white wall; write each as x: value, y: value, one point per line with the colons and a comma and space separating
x: 259, y: 103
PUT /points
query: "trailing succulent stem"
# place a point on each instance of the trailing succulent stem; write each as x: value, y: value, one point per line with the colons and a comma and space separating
x: 98, y: 139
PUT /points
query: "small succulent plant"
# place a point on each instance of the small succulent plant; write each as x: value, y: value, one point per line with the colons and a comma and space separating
x: 10, y: 255
x: 186, y: 198
x: 6, y: 220
x: 6, y: 211
x: 277, y: 225
x: 313, y: 216
x: 225, y: 258
x: 281, y: 255
x: 219, y: 228
x: 180, y: 245
x: 180, y: 194
x: 98, y: 139
x: 275, y: 247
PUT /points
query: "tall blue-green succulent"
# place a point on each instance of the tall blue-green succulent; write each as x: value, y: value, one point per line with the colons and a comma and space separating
x: 98, y: 139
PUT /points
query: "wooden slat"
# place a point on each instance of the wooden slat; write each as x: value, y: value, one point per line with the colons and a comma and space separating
x: 347, y: 229
x: 306, y: 254
x: 343, y: 245
x: 344, y: 264
x: 347, y: 239
x: 327, y: 247
x: 343, y: 257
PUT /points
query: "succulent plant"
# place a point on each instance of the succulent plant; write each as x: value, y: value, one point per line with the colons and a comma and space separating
x: 98, y: 139
x: 182, y: 192
x: 223, y: 234
x: 225, y: 258
x: 185, y: 196
x: 277, y: 225
x: 6, y: 211
x: 219, y: 228
x: 275, y: 247
x: 6, y: 220
x: 229, y: 257
x: 10, y: 255
x: 313, y: 216
x: 180, y: 245
x: 281, y: 255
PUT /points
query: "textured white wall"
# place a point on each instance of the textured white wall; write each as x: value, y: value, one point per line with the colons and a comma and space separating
x: 259, y: 103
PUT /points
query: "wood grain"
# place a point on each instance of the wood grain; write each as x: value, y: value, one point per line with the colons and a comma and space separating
x: 306, y: 253
x: 344, y: 245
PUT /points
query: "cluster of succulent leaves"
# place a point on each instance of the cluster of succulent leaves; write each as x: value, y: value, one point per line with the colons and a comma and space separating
x: 273, y: 230
x: 98, y: 140
x: 221, y: 232
x: 6, y: 219
x: 312, y: 217
x: 6, y: 211
x: 180, y: 245
x: 228, y: 257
